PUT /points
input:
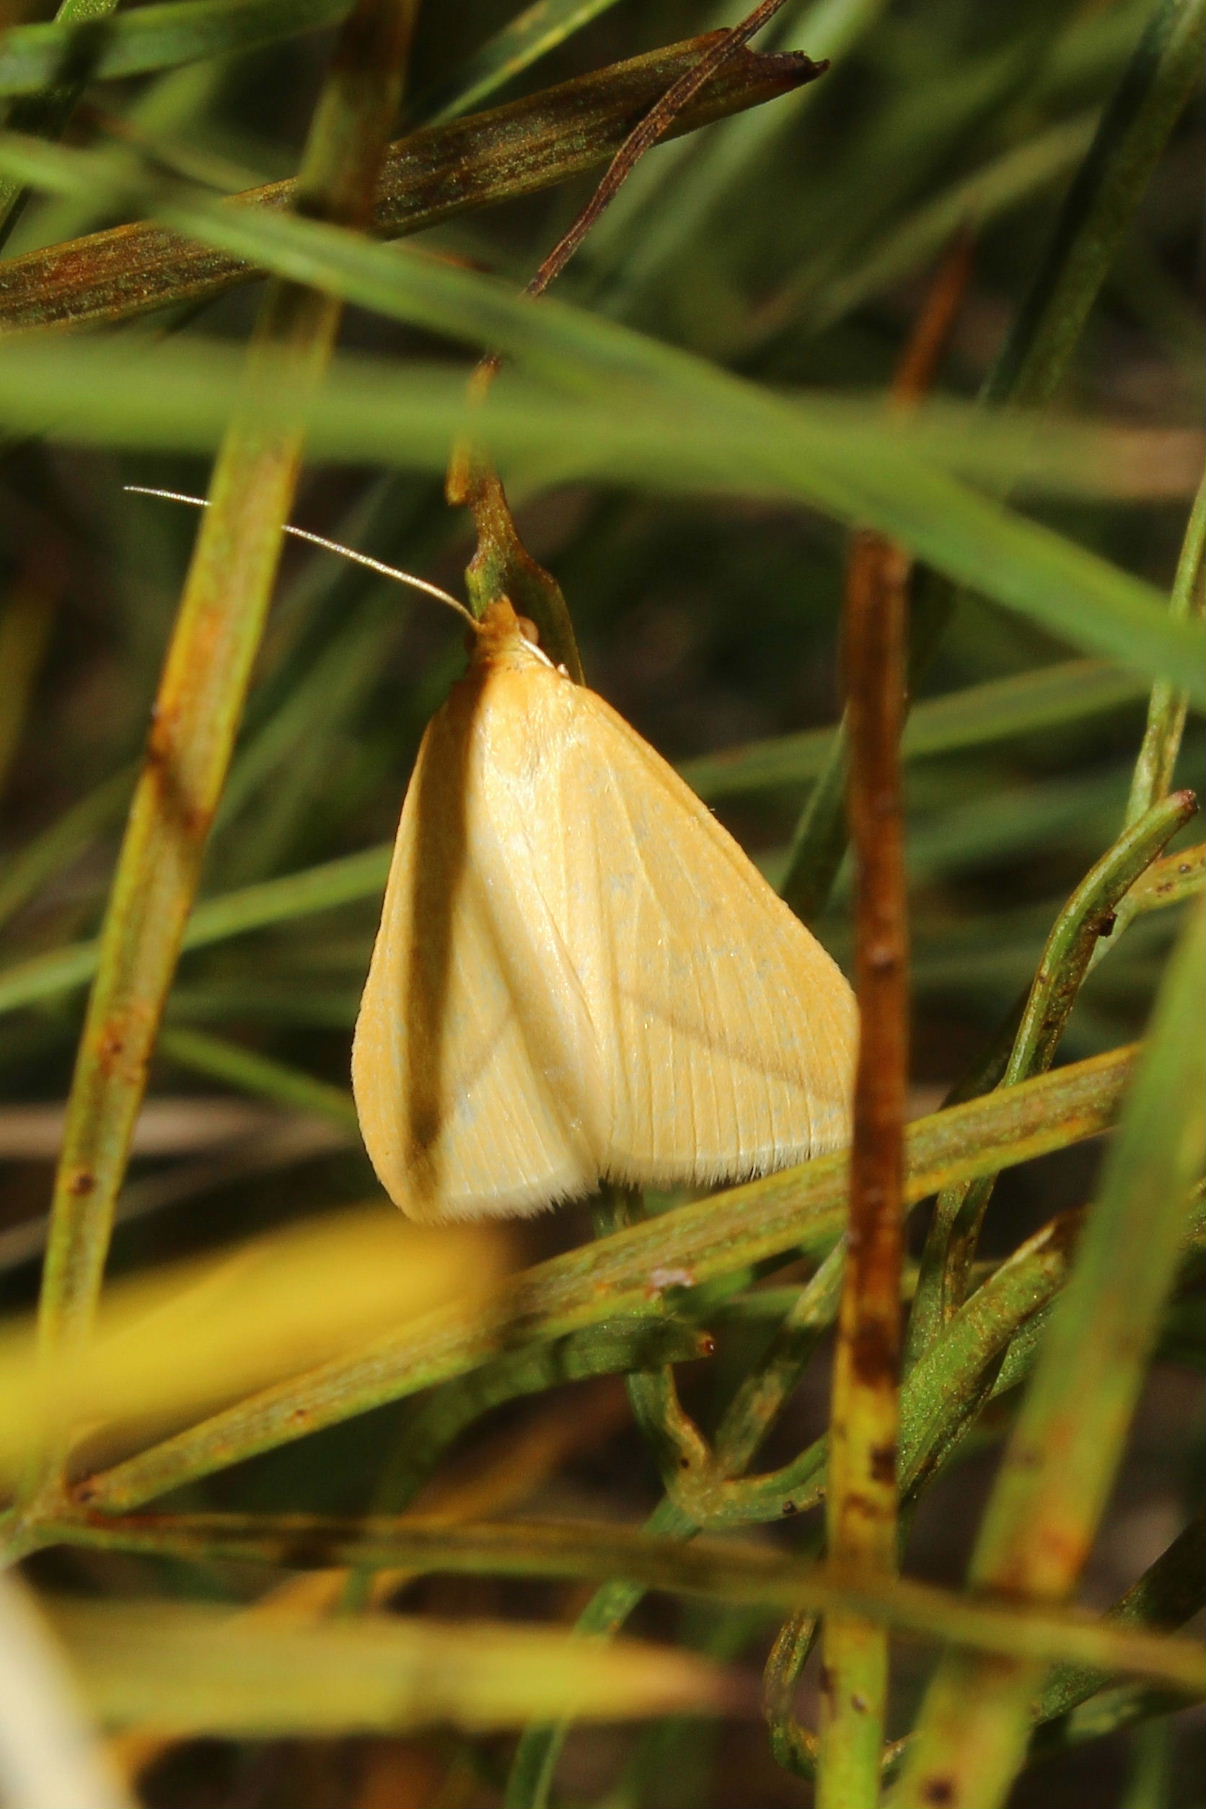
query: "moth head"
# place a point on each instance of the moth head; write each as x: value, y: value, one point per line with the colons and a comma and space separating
x: 502, y: 637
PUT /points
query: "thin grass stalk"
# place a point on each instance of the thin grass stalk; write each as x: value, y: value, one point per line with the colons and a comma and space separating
x: 819, y: 841
x: 667, y: 1429
x: 987, y: 1348
x: 1110, y: 183
x: 856, y: 1661
x: 721, y: 1496
x: 1168, y: 707
x: 201, y: 695
x: 1089, y: 915
x: 61, y: 841
x: 973, y: 712
x: 528, y: 146
x: 1168, y: 1594
x: 1159, y: 81
x: 527, y: 36
x: 800, y: 1210
x: 747, y: 1574
x: 260, y: 1076
x: 502, y: 565
x: 1061, y: 1458
x: 47, y: 113
x: 270, y: 902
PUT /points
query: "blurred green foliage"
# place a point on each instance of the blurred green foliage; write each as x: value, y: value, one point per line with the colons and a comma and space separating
x: 791, y: 247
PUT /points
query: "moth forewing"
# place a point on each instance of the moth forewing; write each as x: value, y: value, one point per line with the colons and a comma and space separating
x: 579, y: 975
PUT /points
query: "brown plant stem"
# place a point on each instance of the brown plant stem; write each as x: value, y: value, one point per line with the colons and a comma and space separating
x: 861, y: 1502
x: 820, y: 837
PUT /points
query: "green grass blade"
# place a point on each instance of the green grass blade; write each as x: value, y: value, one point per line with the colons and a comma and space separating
x: 1061, y: 1458
x: 1000, y: 710
x: 801, y: 1209
x: 33, y: 57
x: 1157, y: 84
x: 684, y: 430
x: 516, y: 46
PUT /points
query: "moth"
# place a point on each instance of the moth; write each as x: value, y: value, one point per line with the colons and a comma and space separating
x: 579, y: 976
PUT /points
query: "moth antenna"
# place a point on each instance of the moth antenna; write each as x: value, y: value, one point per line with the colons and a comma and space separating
x: 329, y: 546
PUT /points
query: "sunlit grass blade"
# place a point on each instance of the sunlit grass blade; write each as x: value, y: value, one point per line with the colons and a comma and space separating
x: 687, y: 430
x: 802, y: 1209
x: 274, y: 1308
x: 199, y: 1670
x: 739, y: 1572
x: 1061, y: 1459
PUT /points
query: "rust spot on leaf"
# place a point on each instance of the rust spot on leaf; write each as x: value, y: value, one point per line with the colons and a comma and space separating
x: 159, y: 741
x: 197, y: 821
x: 873, y: 1353
x: 883, y: 1463
x: 123, y: 1041
x: 865, y: 1505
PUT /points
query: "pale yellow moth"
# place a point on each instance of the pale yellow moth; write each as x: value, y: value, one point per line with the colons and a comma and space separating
x: 579, y: 976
